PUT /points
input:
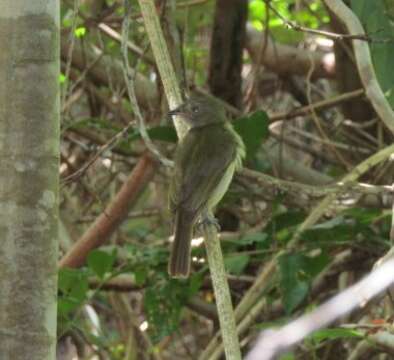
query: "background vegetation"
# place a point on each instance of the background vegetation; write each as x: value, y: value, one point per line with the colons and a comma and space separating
x: 268, y: 61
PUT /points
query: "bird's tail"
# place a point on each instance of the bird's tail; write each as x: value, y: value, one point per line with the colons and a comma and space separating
x: 179, y: 264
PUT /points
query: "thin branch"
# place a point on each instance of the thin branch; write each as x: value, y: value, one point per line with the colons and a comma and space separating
x: 334, y: 36
x: 340, y: 188
x: 111, y: 143
x: 70, y: 50
x: 352, y: 176
x: 107, y: 30
x: 130, y: 84
x: 316, y: 120
x: 163, y: 61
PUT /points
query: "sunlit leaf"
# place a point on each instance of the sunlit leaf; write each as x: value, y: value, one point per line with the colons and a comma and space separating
x: 80, y: 32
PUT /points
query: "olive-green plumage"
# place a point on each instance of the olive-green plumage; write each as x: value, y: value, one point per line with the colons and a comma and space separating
x: 205, y: 161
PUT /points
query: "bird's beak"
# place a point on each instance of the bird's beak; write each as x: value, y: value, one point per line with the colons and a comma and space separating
x: 177, y: 111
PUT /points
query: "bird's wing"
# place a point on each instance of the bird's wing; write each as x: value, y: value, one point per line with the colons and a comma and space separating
x: 201, y: 160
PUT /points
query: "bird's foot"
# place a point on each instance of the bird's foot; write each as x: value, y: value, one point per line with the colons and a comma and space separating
x: 207, y: 220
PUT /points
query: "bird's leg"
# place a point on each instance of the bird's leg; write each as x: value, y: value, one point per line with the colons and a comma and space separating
x: 207, y: 218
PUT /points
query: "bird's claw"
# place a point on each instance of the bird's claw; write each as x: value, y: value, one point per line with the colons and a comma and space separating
x: 207, y: 221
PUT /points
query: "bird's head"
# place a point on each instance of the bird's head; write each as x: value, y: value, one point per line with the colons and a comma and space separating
x: 200, y: 110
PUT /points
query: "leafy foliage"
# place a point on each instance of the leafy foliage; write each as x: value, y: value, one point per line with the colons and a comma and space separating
x: 297, y: 271
x: 258, y: 17
x: 253, y: 130
x: 101, y: 262
x: 259, y: 228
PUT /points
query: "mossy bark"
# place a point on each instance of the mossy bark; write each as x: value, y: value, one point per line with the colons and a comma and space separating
x: 29, y: 163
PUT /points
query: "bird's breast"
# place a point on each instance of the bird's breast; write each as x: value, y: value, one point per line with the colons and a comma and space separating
x: 222, y: 187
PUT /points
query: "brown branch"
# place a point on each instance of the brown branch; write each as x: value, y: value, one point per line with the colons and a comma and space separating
x: 287, y: 60
x: 104, y: 226
x: 114, y: 35
x: 121, y: 283
x: 320, y: 105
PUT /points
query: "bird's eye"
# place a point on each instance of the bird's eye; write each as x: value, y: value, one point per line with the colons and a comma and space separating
x: 195, y: 109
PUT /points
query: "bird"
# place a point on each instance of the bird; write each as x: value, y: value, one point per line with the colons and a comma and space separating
x: 205, y: 161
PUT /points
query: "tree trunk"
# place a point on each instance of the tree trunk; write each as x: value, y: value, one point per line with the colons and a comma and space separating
x: 227, y: 45
x: 29, y: 157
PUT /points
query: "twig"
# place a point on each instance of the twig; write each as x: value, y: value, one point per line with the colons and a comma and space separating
x: 163, y: 61
x: 167, y: 73
x: 107, y: 30
x: 352, y: 176
x: 339, y: 188
x: 130, y: 84
x: 316, y: 120
x: 70, y: 51
x: 334, y: 36
x: 107, y: 146
x: 319, y: 105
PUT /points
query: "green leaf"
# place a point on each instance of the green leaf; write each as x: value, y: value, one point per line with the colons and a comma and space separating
x: 195, y: 283
x: 163, y: 133
x: 287, y: 356
x: 62, y: 78
x: 80, y: 32
x: 73, y: 286
x: 253, y: 238
x: 163, y: 304
x: 294, y: 286
x: 314, y: 265
x: 285, y: 35
x: 363, y: 216
x: 257, y: 24
x: 236, y: 264
x: 329, y: 224
x: 256, y: 10
x: 160, y: 133
x: 333, y: 334
x: 140, y: 274
x: 101, y: 262
x: 273, y: 324
x: 297, y: 271
x: 253, y: 129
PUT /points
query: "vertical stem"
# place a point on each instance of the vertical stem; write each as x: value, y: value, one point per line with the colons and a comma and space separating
x: 163, y: 60
x: 222, y: 294
x: 215, y: 257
